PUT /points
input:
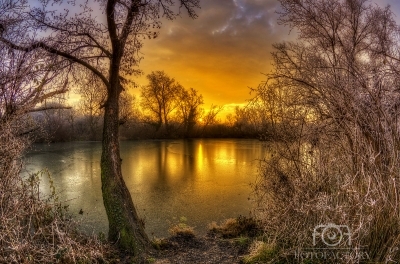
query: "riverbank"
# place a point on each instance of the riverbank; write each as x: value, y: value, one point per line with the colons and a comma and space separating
x: 238, y: 240
x: 204, y: 249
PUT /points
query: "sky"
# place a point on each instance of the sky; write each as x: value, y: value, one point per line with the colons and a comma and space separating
x: 224, y: 51
x: 221, y: 54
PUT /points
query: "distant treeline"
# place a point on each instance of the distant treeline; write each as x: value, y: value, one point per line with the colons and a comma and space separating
x: 165, y: 109
x: 70, y: 125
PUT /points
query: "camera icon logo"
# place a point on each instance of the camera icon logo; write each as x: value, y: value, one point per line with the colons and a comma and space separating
x: 332, y: 234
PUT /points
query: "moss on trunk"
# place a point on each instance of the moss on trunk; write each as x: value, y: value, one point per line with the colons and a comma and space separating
x: 125, y: 227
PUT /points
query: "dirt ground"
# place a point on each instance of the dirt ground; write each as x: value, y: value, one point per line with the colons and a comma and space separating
x: 200, y: 250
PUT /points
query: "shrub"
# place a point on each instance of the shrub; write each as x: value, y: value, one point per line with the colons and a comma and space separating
x: 160, y: 243
x: 235, y: 227
x: 182, y: 230
x: 260, y: 252
x: 341, y: 100
x: 34, y: 229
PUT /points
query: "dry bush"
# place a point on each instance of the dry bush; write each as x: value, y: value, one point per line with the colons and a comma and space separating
x: 35, y: 229
x: 303, y: 186
x: 182, y: 230
x: 337, y: 89
x: 260, y: 252
x: 236, y: 227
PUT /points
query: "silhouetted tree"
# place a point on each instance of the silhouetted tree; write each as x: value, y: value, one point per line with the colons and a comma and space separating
x: 159, y: 97
x: 211, y: 117
x: 189, y: 103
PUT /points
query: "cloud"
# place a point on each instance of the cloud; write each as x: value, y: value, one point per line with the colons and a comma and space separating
x: 221, y: 53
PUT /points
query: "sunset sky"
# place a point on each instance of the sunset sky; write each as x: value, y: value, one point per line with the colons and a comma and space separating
x: 221, y: 53
x: 224, y: 51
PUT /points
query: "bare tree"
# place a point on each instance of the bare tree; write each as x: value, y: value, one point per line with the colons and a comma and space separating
x: 211, y: 117
x: 128, y: 108
x: 25, y: 78
x: 90, y: 105
x: 107, y: 49
x: 159, y: 97
x: 189, y: 108
x: 92, y: 100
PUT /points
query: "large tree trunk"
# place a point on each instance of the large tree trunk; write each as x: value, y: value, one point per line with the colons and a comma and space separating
x: 125, y: 227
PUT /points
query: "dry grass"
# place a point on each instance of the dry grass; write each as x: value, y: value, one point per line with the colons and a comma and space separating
x: 236, y: 227
x: 260, y: 252
x: 182, y: 230
x: 33, y: 229
x: 227, y: 229
x: 302, y: 187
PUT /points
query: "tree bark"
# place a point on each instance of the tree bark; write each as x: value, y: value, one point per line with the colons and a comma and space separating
x: 125, y: 227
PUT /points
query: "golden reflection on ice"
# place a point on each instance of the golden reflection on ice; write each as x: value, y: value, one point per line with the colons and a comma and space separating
x: 200, y: 157
x: 203, y: 180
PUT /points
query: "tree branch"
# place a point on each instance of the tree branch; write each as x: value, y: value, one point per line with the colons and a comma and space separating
x: 128, y: 21
x: 59, y: 53
x: 44, y: 108
x: 112, y: 27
